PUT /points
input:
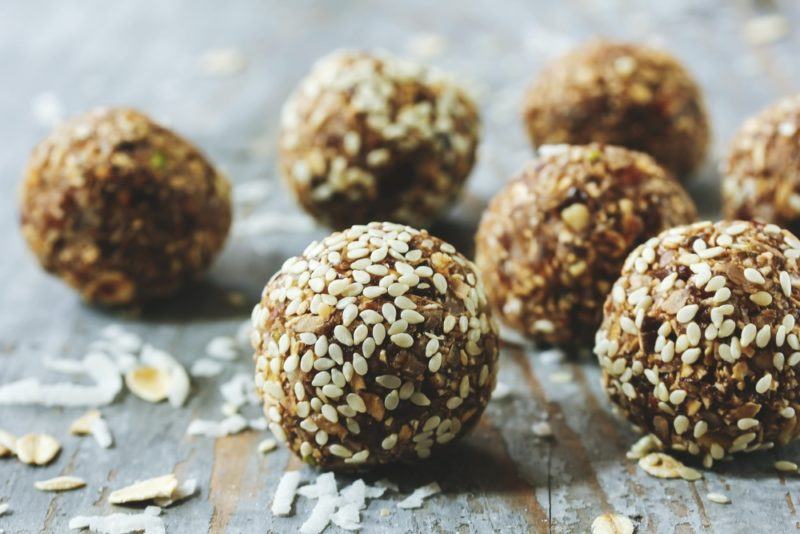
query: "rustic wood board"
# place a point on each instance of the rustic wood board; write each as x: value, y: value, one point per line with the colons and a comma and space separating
x: 500, y: 479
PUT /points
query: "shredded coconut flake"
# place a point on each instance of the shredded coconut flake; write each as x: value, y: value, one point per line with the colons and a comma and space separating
x: 148, y: 521
x: 419, y: 495
x: 98, y: 366
x: 217, y: 429
x: 223, y: 348
x: 205, y: 367
x: 285, y: 493
x: 320, y: 516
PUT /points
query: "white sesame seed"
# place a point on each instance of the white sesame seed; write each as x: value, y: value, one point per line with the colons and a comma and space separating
x: 748, y: 334
x: 690, y: 355
x: 762, y: 298
x: 746, y: 423
x: 786, y: 283
x: 330, y: 413
x: 763, y: 336
x: 677, y: 396
x: 786, y: 466
x: 718, y: 498
x: 787, y: 412
x: 391, y: 400
x: 388, y: 381
x: 389, y: 442
x: 360, y: 365
x: 360, y: 334
x: 700, y: 428
x: 753, y: 276
x: 402, y: 340
x: 340, y: 451
x: 373, y: 291
x: 343, y: 335
x: 412, y: 317
x: 404, y: 303
x: 687, y: 313
x: 764, y: 383
x: 681, y: 424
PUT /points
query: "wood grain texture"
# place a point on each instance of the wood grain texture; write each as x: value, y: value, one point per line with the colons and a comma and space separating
x: 501, y: 478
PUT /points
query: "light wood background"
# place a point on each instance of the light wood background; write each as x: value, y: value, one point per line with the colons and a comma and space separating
x: 501, y: 479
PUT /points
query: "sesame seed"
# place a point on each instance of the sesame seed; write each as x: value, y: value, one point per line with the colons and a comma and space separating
x: 700, y: 428
x: 330, y: 413
x: 690, y: 355
x: 718, y: 498
x: 786, y: 466
x: 687, y: 313
x: 340, y: 451
x: 764, y: 383
x: 435, y: 363
x: 681, y: 424
x: 391, y: 400
x: 668, y: 352
x: 736, y: 228
x: 332, y: 391
x: 373, y: 291
x: 360, y: 365
x: 349, y: 314
x: 628, y: 326
x: 360, y: 334
x: 388, y: 381
x: 762, y: 298
x: 343, y: 335
x: 786, y: 283
x: 746, y: 423
x: 412, y: 316
x: 763, y: 336
x: 402, y: 340
x: 753, y: 276
x: 787, y: 412
x: 677, y: 396
x: 748, y: 334
x: 389, y: 442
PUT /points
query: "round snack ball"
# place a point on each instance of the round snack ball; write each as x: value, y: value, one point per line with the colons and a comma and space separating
x: 762, y: 172
x: 699, y: 343
x: 121, y: 208
x: 375, y: 345
x: 621, y: 94
x: 374, y: 137
x: 552, y: 242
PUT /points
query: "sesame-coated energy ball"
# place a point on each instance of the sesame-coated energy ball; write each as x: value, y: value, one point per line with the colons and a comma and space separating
x: 373, y: 137
x: 553, y: 241
x: 622, y: 94
x: 375, y: 345
x: 762, y: 172
x: 699, y: 343
x: 121, y: 208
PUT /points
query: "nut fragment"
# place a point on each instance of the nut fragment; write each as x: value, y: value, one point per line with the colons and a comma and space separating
x: 153, y: 488
x: 37, y: 449
x: 612, y: 524
x: 63, y: 483
x: 148, y: 383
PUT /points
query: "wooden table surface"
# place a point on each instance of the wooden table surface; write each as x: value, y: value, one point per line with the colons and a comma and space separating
x: 67, y: 57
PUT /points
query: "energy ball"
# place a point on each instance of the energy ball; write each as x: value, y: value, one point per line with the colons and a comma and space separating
x: 553, y: 241
x: 699, y: 343
x: 373, y: 137
x: 121, y: 208
x: 621, y: 94
x: 375, y: 345
x: 762, y: 172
